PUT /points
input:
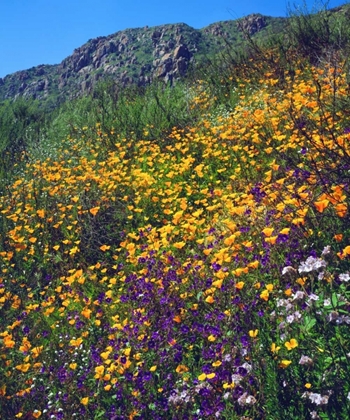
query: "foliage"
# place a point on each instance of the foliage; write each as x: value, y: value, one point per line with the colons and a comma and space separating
x: 176, y: 253
x: 22, y: 123
x: 316, y: 35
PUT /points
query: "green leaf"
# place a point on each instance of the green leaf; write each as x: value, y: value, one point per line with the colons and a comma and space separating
x: 309, y: 323
x: 334, y: 300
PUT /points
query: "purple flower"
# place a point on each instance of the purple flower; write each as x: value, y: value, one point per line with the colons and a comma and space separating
x: 244, y: 340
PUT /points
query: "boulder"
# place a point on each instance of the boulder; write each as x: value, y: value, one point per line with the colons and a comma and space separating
x: 182, y: 52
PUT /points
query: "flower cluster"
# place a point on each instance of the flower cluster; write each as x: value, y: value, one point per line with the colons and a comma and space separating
x: 204, y: 275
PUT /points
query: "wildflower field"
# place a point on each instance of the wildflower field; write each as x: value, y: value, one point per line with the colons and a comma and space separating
x: 200, y: 275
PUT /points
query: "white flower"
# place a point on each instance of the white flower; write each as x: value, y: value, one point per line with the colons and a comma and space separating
x: 311, y: 264
x: 333, y: 316
x: 320, y: 276
x: 293, y: 317
x: 247, y: 366
x: 327, y: 302
x: 315, y: 398
x: 305, y: 360
x: 250, y: 400
x: 297, y: 315
x: 227, y: 358
x: 326, y: 250
x: 290, y: 319
x: 246, y: 399
x: 288, y: 269
x: 344, y: 277
x: 226, y: 395
x: 298, y: 295
x: 236, y: 379
x: 318, y: 399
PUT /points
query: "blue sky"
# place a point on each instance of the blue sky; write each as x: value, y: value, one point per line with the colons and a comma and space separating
x: 34, y: 32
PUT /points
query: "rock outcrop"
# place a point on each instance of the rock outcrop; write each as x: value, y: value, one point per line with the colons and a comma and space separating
x: 137, y: 56
x: 252, y: 24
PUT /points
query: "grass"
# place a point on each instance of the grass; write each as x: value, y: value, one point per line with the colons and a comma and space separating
x: 199, y: 270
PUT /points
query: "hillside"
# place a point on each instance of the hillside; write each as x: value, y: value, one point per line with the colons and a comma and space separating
x: 182, y: 252
x: 133, y: 56
x: 142, y: 55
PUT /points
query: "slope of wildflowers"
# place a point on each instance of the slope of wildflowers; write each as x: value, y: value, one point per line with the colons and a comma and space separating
x: 200, y: 276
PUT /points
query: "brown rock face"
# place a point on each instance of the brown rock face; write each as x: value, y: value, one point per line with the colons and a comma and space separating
x: 252, y: 24
x: 138, y: 55
x: 182, y: 52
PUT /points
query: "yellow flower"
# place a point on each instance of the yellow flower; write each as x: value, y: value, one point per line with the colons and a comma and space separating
x: 74, y: 250
x: 267, y: 231
x: 228, y: 386
x: 341, y: 209
x: 217, y: 284
x: 285, y: 231
x: 291, y: 344
x: 338, y: 237
x: 212, y: 338
x: 99, y: 371
x: 41, y: 213
x: 272, y: 240
x: 209, y: 299
x: 301, y: 280
x: 23, y: 368
x: 85, y: 401
x: 36, y: 351
x: 105, y: 248
x: 346, y: 250
x: 254, y: 264
x: 308, y: 385
x: 284, y: 363
x: 105, y: 355
x: 181, y: 369
x: 76, y: 342
x: 202, y: 377
x: 177, y: 318
x: 321, y: 205
x: 179, y: 245
x: 8, y: 342
x: 94, y: 210
x: 274, y: 348
x: 264, y: 295
x: 86, y: 312
x: 153, y: 368
x: 253, y: 333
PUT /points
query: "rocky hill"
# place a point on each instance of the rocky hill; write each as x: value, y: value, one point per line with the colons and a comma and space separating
x: 137, y: 55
